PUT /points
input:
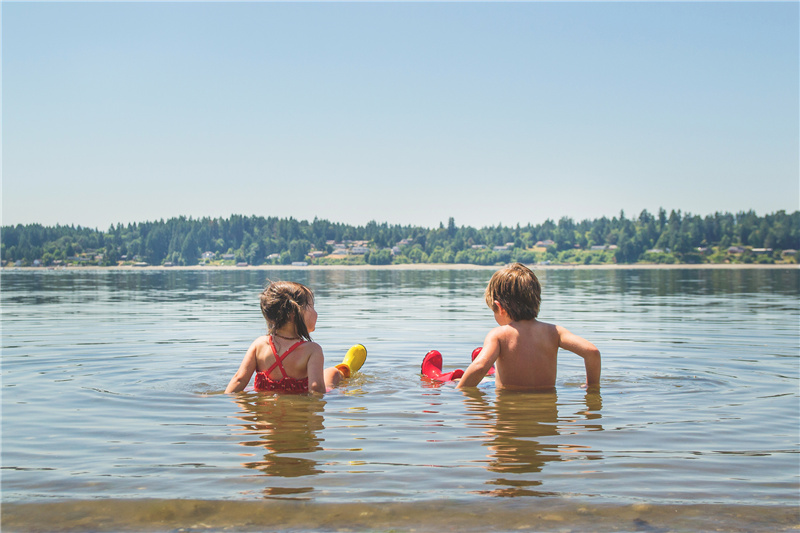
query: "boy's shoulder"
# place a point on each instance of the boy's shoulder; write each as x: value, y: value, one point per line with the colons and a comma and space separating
x: 523, y: 328
x: 509, y: 331
x: 533, y: 323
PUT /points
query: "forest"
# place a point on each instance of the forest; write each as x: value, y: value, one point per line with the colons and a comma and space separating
x: 663, y: 237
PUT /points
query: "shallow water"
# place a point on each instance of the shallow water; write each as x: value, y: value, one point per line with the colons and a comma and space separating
x: 113, y: 416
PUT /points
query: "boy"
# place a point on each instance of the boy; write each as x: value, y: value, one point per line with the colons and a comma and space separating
x: 525, y: 349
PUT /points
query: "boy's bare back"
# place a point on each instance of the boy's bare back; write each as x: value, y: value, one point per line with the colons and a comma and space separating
x: 525, y: 353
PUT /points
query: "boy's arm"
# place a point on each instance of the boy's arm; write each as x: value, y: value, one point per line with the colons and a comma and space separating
x: 242, y: 377
x: 480, y: 366
x: 587, y: 350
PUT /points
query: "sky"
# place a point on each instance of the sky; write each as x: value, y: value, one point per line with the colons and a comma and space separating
x: 402, y: 112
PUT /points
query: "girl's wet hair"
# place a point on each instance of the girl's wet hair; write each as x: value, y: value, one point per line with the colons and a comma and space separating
x: 283, y: 302
x: 517, y: 289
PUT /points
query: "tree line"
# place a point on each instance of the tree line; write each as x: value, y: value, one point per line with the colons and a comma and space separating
x: 673, y: 237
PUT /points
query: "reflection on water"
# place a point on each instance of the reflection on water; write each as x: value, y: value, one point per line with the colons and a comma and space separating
x: 521, y: 431
x: 286, y: 427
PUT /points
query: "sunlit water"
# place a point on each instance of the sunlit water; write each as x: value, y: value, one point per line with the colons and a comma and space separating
x: 113, y: 416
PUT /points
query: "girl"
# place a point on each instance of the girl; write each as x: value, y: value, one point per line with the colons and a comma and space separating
x: 286, y: 359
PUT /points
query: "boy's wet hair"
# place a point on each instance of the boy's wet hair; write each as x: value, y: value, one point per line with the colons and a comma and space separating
x: 517, y: 289
x: 283, y: 302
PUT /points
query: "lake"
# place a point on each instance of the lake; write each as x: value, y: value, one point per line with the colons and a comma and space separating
x: 113, y: 416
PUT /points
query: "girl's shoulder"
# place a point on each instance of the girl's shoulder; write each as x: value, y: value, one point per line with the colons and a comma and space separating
x: 309, y: 349
x: 311, y: 346
x: 260, y: 342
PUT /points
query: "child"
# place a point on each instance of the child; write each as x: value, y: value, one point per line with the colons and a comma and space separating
x: 286, y: 359
x: 525, y: 349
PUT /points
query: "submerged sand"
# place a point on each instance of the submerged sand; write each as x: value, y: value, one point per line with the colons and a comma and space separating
x: 546, y: 514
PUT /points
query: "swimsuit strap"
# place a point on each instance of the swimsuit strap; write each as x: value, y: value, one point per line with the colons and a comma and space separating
x: 279, y: 359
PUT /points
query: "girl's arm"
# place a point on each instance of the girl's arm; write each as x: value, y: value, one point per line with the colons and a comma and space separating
x: 316, y: 370
x: 477, y: 370
x: 242, y: 377
x: 587, y: 350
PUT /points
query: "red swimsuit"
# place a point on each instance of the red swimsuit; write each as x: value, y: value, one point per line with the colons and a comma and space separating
x: 286, y: 383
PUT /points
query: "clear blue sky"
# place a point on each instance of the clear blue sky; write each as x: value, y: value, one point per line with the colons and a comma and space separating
x: 405, y: 113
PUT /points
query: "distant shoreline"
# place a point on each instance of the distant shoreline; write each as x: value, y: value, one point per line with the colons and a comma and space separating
x: 416, y: 266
